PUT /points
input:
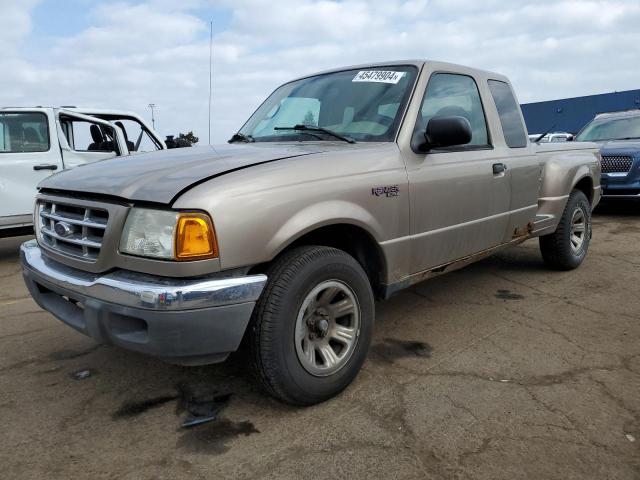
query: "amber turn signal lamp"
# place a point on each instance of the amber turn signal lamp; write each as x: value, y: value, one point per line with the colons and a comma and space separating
x: 195, y: 238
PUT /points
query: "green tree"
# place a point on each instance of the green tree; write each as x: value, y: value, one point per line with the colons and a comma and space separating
x: 189, y: 137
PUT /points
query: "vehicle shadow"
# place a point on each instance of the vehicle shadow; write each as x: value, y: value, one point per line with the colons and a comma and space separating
x: 10, y: 247
x: 618, y: 208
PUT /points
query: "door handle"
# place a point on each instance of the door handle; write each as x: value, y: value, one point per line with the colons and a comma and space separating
x: 45, y: 167
x: 499, y: 168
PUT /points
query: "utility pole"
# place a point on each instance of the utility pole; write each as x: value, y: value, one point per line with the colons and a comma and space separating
x: 210, y: 73
x: 153, y: 120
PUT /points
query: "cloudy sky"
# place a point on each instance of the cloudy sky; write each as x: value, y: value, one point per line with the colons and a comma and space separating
x: 128, y: 54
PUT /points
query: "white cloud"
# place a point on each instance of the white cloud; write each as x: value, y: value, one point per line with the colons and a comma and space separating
x: 15, y: 23
x: 122, y: 28
x: 157, y: 51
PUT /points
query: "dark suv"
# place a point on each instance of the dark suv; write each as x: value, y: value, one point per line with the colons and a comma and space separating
x: 619, y: 135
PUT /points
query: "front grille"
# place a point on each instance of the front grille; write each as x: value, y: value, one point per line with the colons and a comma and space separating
x: 616, y: 164
x: 72, y: 230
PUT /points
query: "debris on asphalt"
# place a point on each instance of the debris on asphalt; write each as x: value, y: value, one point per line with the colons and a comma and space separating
x: 202, y: 408
x: 81, y: 374
x: 201, y: 405
x: 630, y: 437
x: 194, y: 420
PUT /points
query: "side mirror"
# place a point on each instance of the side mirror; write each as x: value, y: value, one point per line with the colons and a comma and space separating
x: 442, y: 132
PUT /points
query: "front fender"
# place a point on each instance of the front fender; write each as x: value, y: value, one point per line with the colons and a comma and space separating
x: 259, y: 211
x: 322, y: 214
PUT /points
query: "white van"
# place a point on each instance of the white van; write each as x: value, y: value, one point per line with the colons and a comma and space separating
x: 37, y: 142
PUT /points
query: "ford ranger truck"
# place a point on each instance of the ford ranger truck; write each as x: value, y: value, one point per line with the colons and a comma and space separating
x: 342, y: 188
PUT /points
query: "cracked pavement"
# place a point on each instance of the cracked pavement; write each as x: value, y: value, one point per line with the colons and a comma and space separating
x: 501, y: 370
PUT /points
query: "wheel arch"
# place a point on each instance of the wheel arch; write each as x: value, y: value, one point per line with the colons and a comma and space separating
x: 350, y: 237
x: 585, y: 185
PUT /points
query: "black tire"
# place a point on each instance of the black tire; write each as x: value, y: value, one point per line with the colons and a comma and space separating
x: 274, y: 360
x: 557, y: 250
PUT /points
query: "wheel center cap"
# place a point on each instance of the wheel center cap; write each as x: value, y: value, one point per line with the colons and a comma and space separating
x: 319, y: 324
x: 323, y: 326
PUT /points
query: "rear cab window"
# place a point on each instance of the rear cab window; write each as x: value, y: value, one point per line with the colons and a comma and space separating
x: 23, y: 132
x: 509, y: 112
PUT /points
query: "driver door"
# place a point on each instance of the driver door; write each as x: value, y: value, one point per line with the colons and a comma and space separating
x: 459, y: 206
x: 28, y: 154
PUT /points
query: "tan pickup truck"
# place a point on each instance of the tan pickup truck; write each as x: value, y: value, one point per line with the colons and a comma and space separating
x: 342, y: 188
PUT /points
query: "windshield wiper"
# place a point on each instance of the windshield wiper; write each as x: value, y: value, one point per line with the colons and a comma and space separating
x: 309, y: 128
x: 626, y: 138
x: 241, y: 137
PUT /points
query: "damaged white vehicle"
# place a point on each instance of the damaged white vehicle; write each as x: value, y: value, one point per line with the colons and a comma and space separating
x: 36, y: 142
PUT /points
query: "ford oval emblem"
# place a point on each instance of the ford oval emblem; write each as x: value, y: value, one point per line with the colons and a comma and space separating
x: 63, y: 229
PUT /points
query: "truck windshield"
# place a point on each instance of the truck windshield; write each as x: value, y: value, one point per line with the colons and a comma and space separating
x: 621, y: 128
x: 364, y: 105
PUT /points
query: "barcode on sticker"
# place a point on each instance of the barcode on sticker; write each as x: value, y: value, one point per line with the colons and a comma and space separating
x: 379, y: 76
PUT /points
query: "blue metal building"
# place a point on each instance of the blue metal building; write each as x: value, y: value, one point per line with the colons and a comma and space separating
x: 571, y: 114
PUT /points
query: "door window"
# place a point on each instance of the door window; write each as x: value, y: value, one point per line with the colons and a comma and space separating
x: 84, y: 136
x: 509, y: 113
x: 451, y: 94
x: 24, y: 132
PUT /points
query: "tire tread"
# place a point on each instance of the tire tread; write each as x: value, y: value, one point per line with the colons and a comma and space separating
x: 553, y: 247
x: 281, y: 274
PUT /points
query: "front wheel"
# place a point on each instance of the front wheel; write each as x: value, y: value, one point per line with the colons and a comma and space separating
x: 312, y: 326
x: 566, y: 248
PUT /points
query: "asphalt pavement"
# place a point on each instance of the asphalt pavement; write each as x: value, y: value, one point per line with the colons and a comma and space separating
x: 501, y: 370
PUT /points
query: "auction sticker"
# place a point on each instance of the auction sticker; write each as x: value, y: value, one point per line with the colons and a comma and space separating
x: 378, y: 76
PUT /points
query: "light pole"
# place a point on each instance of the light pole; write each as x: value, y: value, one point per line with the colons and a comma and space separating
x: 153, y: 120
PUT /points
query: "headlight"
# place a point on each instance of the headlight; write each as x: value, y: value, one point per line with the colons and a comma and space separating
x: 168, y: 235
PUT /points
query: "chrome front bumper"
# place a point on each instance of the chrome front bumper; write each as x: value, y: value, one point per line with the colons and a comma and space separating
x: 187, y: 321
x: 140, y: 290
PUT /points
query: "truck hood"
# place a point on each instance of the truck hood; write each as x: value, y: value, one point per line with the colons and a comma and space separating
x: 160, y: 176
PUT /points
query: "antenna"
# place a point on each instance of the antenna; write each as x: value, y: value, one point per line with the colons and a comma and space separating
x: 153, y: 120
x: 210, y: 73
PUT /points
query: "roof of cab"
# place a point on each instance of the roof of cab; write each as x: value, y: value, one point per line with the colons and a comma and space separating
x: 436, y: 65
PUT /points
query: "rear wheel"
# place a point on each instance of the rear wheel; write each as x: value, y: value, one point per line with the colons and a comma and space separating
x: 312, y: 326
x: 566, y: 248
